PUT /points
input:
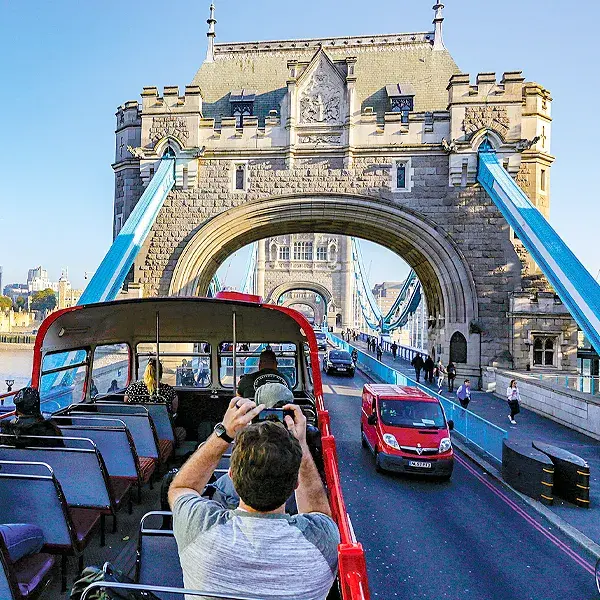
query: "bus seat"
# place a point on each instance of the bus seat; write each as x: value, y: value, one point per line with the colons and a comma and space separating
x: 141, y: 428
x: 81, y: 472
x: 31, y: 493
x: 25, y: 574
x: 158, y: 558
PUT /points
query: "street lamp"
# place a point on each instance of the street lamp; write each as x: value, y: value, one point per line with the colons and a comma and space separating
x: 9, y: 384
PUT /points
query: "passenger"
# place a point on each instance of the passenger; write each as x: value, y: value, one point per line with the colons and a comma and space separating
x: 114, y: 387
x: 93, y: 390
x: 29, y: 421
x: 151, y: 390
x: 271, y: 395
x: 280, y: 555
x: 267, y: 373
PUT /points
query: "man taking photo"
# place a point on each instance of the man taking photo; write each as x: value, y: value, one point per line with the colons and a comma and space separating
x: 256, y: 549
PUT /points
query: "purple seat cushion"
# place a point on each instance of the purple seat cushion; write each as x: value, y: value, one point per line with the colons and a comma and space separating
x: 31, y: 571
x: 21, y: 539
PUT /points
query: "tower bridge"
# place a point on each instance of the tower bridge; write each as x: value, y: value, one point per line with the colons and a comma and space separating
x: 376, y: 137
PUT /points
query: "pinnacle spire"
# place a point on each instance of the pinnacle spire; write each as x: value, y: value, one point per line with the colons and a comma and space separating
x: 438, y: 39
x: 210, y: 50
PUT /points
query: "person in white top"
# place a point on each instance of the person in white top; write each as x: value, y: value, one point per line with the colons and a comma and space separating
x: 440, y: 371
x: 513, y: 398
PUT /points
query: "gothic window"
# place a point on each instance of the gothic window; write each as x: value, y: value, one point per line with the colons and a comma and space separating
x: 284, y: 253
x: 321, y: 253
x: 118, y: 223
x: 543, y: 352
x: 401, y: 175
x: 543, y: 180
x: 242, y: 105
x: 239, y: 177
x: 458, y: 348
x: 303, y: 250
x: 402, y: 99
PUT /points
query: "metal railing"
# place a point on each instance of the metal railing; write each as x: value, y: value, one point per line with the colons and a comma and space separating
x: 471, y: 427
x: 403, y: 352
x: 587, y: 384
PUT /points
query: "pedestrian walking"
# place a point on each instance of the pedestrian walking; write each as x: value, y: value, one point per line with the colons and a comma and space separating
x: 451, y: 371
x: 513, y: 397
x: 440, y: 372
x: 418, y: 364
x: 394, y: 350
x: 429, y: 367
x: 379, y: 352
x: 463, y: 393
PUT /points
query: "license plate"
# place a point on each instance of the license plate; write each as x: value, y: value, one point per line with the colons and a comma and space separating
x: 341, y: 369
x: 420, y: 464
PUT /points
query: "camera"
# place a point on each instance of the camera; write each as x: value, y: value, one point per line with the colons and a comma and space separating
x: 273, y: 414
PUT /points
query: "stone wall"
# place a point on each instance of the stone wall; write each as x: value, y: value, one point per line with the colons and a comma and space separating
x: 571, y: 408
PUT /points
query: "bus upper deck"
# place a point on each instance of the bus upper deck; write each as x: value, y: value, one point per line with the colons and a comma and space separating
x: 86, y: 356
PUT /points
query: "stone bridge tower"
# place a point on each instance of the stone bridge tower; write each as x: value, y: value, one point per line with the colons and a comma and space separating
x: 320, y: 263
x: 369, y: 136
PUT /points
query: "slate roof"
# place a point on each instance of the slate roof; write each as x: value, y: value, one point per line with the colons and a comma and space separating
x: 381, y: 60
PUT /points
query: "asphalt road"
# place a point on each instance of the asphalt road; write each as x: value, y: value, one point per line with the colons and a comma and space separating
x: 465, y: 539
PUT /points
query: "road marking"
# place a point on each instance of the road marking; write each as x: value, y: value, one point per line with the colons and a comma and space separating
x: 558, y: 543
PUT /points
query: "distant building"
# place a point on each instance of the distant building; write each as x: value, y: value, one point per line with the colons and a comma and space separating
x: 14, y: 290
x: 386, y: 293
x: 67, y: 296
x: 0, y: 278
x: 37, y: 280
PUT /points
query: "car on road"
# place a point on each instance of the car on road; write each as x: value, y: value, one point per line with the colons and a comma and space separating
x: 406, y: 430
x: 338, y: 361
x: 321, y: 340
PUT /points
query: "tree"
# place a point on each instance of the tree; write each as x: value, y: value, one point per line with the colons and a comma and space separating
x: 20, y: 302
x: 5, y: 303
x: 43, y: 300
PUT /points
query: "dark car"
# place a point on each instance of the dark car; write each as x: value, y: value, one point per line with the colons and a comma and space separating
x: 321, y: 340
x: 338, y: 361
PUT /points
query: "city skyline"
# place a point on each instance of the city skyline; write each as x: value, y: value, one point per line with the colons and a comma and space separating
x: 67, y: 49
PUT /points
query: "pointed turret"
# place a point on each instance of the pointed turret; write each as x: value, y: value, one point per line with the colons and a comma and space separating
x: 210, y: 50
x: 438, y: 40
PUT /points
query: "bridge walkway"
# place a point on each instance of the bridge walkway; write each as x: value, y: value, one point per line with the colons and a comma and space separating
x: 531, y: 426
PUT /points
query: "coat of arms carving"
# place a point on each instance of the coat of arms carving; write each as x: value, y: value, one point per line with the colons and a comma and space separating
x: 321, y: 99
x: 486, y: 117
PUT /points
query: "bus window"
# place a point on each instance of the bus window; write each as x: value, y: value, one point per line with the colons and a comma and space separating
x: 110, y: 368
x: 63, y: 379
x: 185, y: 364
x: 247, y: 356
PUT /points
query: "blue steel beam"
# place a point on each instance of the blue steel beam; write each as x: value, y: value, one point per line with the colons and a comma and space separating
x: 575, y: 286
x: 108, y: 279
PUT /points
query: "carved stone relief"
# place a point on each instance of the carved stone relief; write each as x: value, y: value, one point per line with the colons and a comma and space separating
x: 321, y: 99
x: 168, y: 126
x: 320, y: 139
x: 486, y: 117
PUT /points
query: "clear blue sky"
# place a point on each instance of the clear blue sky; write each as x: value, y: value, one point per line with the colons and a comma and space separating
x: 66, y: 65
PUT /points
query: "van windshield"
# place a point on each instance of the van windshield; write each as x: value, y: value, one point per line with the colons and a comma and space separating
x: 407, y: 413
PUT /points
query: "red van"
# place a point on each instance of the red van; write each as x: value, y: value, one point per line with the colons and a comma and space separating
x: 406, y: 430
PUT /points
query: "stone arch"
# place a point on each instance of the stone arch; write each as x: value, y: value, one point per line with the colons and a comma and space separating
x: 495, y: 139
x: 168, y: 142
x: 439, y: 264
x: 311, y: 286
x: 304, y: 302
x: 458, y: 348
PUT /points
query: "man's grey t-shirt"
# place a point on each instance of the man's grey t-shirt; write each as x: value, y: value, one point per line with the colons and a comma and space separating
x: 264, y: 556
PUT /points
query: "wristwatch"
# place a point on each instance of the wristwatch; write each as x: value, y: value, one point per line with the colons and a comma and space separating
x: 221, y: 432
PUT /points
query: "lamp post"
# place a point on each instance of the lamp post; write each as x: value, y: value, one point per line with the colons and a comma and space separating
x: 9, y: 384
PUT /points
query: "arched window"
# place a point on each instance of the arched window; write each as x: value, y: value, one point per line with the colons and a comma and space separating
x: 549, y: 353
x: 169, y: 152
x: 303, y: 250
x: 458, y: 348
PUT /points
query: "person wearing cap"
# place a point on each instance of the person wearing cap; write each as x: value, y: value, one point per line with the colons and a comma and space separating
x: 271, y: 395
x: 29, y: 421
x: 267, y: 373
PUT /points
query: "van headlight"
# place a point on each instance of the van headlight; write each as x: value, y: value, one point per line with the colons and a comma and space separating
x: 391, y: 441
x: 445, y: 445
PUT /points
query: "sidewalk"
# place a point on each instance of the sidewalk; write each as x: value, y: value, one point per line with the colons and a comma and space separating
x: 531, y: 426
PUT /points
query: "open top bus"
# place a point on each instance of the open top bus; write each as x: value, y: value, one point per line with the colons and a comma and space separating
x: 86, y: 356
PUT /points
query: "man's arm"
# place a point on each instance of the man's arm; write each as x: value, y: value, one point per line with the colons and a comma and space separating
x: 196, y: 472
x: 310, y: 493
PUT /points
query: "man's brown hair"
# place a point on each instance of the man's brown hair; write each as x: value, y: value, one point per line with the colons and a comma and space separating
x: 264, y: 465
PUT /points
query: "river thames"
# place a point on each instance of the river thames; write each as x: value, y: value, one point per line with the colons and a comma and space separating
x: 15, y: 363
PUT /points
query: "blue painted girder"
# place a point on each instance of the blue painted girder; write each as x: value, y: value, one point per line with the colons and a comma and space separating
x: 108, y: 279
x: 573, y: 283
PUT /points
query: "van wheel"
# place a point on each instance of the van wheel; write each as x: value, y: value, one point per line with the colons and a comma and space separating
x: 363, y: 440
